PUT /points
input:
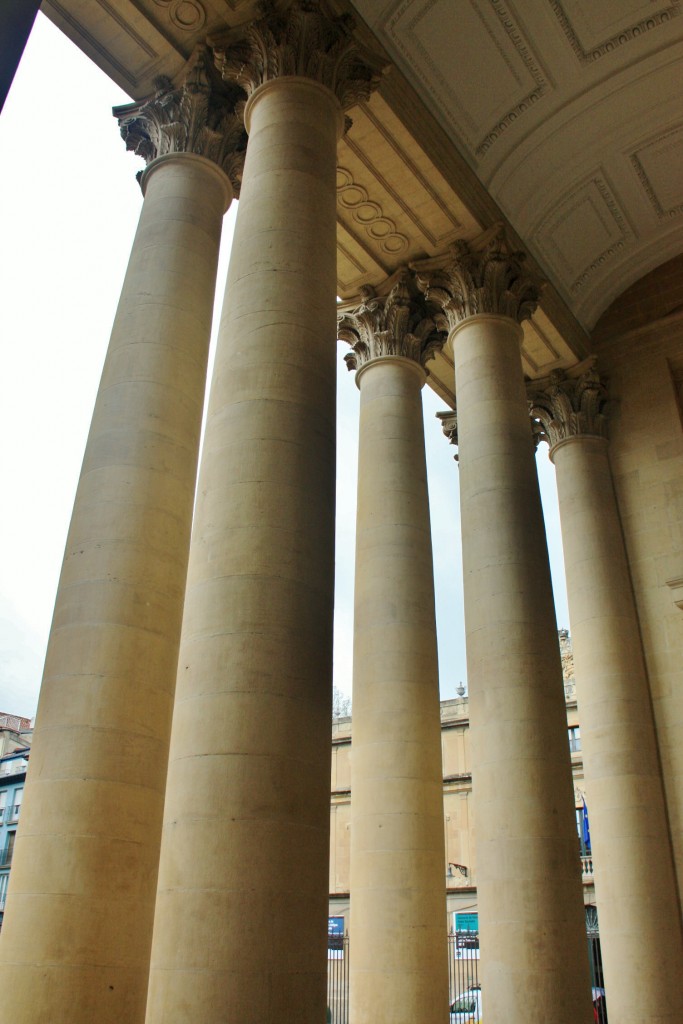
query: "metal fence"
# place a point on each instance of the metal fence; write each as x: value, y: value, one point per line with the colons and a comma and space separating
x: 463, y: 970
x: 338, y: 978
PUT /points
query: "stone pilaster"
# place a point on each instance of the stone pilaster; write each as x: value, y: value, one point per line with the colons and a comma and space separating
x: 77, y: 931
x: 528, y: 869
x: 240, y: 929
x: 397, y: 839
x: 630, y: 837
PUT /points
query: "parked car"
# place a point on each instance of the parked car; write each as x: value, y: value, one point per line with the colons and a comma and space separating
x: 467, y: 1007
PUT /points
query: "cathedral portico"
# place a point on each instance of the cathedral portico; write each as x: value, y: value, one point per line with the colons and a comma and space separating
x: 353, y: 171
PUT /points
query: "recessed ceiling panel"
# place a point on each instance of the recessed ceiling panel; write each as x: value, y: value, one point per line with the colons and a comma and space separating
x: 596, y: 29
x: 478, y: 66
x: 583, y: 233
x: 659, y: 166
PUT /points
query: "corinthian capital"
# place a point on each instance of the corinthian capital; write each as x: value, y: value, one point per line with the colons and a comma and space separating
x: 482, y: 276
x: 195, y: 116
x: 303, y: 39
x: 565, y: 406
x: 395, y: 324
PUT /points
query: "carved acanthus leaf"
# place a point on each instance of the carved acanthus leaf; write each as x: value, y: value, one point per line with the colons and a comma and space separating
x: 198, y: 115
x: 304, y: 39
x: 483, y: 276
x: 566, y: 406
x: 449, y: 426
x: 395, y: 324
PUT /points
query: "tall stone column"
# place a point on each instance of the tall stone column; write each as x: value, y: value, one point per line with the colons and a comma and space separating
x: 77, y: 932
x: 534, y: 962
x: 399, y: 968
x: 638, y: 906
x: 241, y: 924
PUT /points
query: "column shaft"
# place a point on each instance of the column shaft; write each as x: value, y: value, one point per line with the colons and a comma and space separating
x: 640, y: 931
x: 534, y: 955
x: 398, y: 917
x: 77, y: 931
x: 240, y: 931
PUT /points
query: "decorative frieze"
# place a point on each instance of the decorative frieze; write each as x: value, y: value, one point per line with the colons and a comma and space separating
x: 303, y: 39
x: 198, y: 115
x: 395, y: 324
x: 565, y: 406
x: 483, y: 276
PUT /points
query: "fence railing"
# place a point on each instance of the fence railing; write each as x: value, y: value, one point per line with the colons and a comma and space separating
x: 338, y: 978
x: 463, y: 971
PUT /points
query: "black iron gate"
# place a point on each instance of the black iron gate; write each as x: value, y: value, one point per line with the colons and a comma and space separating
x: 463, y: 970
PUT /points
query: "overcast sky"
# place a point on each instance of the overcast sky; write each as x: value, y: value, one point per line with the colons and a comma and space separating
x: 70, y: 204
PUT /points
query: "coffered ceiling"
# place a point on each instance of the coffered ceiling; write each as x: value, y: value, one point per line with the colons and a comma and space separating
x: 570, y: 112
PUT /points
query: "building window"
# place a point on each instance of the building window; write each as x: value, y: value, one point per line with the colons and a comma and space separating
x: 3, y: 805
x: 6, y: 858
x: 574, y: 738
x: 16, y: 803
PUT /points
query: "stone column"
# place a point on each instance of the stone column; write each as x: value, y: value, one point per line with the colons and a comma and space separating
x: 241, y: 925
x: 534, y: 963
x: 77, y: 932
x: 638, y: 907
x: 399, y: 968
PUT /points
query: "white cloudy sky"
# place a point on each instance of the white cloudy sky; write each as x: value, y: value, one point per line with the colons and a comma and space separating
x: 70, y: 204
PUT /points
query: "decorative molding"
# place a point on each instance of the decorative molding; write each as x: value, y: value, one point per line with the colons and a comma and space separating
x: 654, y: 20
x: 394, y: 324
x: 187, y: 15
x: 566, y: 212
x: 417, y: 56
x: 449, y: 426
x: 196, y: 116
x: 378, y: 177
x: 306, y: 40
x: 564, y: 406
x: 369, y: 214
x: 407, y: 161
x: 662, y: 213
x: 538, y: 76
x: 482, y: 276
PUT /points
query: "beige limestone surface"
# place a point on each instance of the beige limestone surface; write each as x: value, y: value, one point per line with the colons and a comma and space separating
x: 240, y: 929
x: 77, y: 930
x: 629, y: 829
x: 398, y: 967
x: 646, y: 455
x: 531, y: 910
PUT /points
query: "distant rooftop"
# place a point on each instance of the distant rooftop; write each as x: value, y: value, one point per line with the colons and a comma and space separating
x: 14, y: 722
